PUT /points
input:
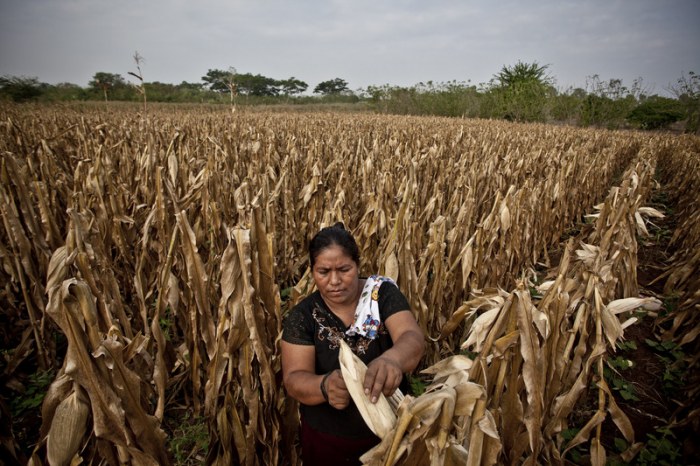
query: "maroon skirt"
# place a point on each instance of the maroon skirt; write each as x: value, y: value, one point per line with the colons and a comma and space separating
x: 322, y: 449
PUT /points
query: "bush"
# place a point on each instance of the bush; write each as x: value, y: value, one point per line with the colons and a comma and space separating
x: 656, y: 113
x: 21, y: 88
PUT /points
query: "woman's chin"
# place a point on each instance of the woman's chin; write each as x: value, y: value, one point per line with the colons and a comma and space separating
x: 335, y: 296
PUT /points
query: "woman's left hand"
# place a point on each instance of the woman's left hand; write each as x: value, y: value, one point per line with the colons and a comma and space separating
x: 383, y: 376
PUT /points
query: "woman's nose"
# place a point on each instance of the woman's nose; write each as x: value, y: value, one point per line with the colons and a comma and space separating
x: 335, y: 277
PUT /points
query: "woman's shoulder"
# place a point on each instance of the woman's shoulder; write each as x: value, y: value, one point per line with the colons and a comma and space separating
x: 382, y: 283
x: 298, y: 323
x: 390, y: 298
x: 378, y: 281
x: 303, y: 309
x: 307, y: 303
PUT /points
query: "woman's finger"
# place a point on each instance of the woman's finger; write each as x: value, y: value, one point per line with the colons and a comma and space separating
x: 383, y: 376
x: 377, y: 385
x: 371, y: 376
x: 391, y: 384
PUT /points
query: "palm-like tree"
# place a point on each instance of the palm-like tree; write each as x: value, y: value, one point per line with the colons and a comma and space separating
x: 521, y: 91
x: 522, y: 73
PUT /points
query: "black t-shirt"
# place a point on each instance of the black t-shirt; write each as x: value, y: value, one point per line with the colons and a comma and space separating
x: 312, y: 323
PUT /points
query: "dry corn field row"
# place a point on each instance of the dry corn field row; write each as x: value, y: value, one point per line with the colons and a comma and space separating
x: 161, y: 247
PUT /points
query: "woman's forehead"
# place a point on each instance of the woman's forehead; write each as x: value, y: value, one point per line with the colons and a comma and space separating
x: 332, y: 254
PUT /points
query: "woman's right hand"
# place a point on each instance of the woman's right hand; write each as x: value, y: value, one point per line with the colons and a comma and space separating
x: 338, y: 394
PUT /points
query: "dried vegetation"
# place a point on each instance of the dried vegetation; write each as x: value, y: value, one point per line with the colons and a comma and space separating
x: 159, y: 248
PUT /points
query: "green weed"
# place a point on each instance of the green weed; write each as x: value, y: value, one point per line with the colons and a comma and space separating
x: 627, y: 345
x: 675, y: 366
x: 577, y: 453
x: 613, y: 376
x: 417, y: 385
x: 662, y: 448
x: 32, y: 398
x: 190, y: 441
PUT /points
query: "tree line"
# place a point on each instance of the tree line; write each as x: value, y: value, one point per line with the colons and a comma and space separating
x: 519, y: 92
x: 525, y: 92
x: 113, y: 86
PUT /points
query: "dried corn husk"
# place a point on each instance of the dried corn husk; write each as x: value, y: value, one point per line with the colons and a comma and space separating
x: 379, y: 416
x: 619, y: 306
x: 68, y: 427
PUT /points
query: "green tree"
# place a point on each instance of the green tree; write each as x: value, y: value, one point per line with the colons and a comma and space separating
x: 292, y: 86
x: 566, y: 105
x: 523, y: 73
x: 257, y: 85
x: 332, y: 87
x: 656, y: 112
x: 191, y: 92
x: 687, y: 91
x: 21, y: 88
x: 242, y: 83
x: 65, y: 91
x: 107, y: 82
x: 608, y: 103
x: 217, y: 80
x: 224, y: 81
x: 521, y: 92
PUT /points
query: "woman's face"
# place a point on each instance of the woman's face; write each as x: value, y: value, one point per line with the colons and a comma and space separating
x: 337, y: 277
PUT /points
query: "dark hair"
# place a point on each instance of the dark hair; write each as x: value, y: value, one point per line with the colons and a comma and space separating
x: 334, y: 235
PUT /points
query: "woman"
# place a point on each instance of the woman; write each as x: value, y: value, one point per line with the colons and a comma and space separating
x: 379, y: 328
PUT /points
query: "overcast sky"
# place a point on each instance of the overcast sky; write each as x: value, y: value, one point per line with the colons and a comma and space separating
x: 365, y: 42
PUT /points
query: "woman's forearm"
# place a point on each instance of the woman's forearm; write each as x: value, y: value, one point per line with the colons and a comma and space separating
x: 305, y: 387
x: 407, y: 351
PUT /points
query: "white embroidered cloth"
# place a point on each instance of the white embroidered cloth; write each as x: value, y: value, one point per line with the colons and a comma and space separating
x: 367, y: 319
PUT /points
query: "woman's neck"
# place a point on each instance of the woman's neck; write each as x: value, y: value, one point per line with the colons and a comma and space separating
x: 346, y: 312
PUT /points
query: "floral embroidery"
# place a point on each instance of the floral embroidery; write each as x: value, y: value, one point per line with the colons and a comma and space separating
x: 324, y: 331
x: 327, y: 331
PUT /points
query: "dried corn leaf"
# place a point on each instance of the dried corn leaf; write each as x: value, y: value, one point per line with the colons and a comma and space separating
x: 480, y: 329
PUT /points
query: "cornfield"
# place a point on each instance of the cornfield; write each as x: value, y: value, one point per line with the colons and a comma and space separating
x: 165, y: 249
